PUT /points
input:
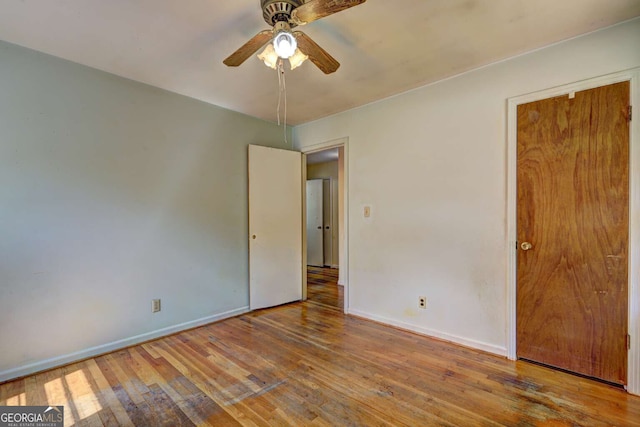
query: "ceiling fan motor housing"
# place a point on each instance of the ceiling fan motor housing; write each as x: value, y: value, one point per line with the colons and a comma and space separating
x: 275, y: 11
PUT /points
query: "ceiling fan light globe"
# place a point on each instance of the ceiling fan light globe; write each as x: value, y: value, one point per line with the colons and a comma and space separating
x: 297, y: 59
x: 285, y: 44
x: 269, y: 56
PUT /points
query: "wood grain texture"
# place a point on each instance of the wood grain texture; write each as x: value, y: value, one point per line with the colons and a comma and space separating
x: 308, y: 364
x: 323, y: 288
x: 573, y: 195
x: 316, y: 54
x: 313, y: 10
x: 249, y: 48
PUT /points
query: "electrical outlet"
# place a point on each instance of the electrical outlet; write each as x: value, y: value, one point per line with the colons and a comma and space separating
x: 422, y: 302
x: 155, y: 305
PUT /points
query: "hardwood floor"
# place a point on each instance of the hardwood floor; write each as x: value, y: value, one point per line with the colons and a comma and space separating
x: 308, y: 364
x: 323, y: 288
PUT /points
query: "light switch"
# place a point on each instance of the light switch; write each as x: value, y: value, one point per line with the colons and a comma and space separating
x: 367, y: 211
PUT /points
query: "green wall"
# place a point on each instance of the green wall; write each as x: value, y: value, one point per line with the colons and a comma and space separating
x: 113, y: 193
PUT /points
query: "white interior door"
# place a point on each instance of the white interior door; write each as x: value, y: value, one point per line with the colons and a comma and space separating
x: 275, y: 226
x: 315, y: 247
x: 327, y: 222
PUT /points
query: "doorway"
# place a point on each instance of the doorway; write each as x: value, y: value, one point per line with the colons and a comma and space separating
x: 325, y: 215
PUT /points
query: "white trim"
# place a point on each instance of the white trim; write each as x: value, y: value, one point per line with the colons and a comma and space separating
x: 633, y: 75
x: 633, y: 371
x: 54, y: 362
x: 467, y: 342
x: 344, y: 269
x: 303, y: 248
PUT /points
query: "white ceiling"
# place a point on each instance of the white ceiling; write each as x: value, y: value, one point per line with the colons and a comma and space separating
x: 385, y: 47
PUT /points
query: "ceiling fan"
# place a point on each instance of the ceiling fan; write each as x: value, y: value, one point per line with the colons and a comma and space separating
x: 283, y: 15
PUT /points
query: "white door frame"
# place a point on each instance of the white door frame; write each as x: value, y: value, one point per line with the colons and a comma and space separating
x: 633, y: 75
x: 344, y: 266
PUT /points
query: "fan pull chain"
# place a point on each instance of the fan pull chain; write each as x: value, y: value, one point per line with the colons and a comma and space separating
x: 282, y: 92
x: 280, y: 71
x: 284, y: 89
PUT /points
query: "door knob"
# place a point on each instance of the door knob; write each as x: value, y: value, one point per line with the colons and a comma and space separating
x: 319, y: 228
x: 254, y: 237
x: 525, y: 246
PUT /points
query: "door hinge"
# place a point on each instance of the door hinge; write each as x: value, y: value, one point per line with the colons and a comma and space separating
x: 628, y: 342
x: 629, y: 116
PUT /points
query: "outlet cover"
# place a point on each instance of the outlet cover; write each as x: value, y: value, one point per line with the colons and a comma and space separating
x: 155, y: 305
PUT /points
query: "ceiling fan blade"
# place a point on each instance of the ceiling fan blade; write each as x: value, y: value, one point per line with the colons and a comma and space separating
x: 316, y: 54
x: 249, y: 48
x: 316, y: 9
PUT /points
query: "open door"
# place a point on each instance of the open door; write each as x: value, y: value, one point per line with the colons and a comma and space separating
x: 275, y: 227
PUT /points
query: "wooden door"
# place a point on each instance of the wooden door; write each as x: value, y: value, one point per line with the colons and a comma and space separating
x: 573, y: 226
x: 275, y: 227
x: 315, y: 234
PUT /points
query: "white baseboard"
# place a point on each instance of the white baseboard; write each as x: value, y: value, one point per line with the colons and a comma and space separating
x: 478, y: 345
x: 54, y: 362
x: 334, y: 266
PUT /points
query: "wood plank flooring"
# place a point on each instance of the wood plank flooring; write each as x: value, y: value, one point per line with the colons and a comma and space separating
x: 323, y: 288
x: 308, y: 364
